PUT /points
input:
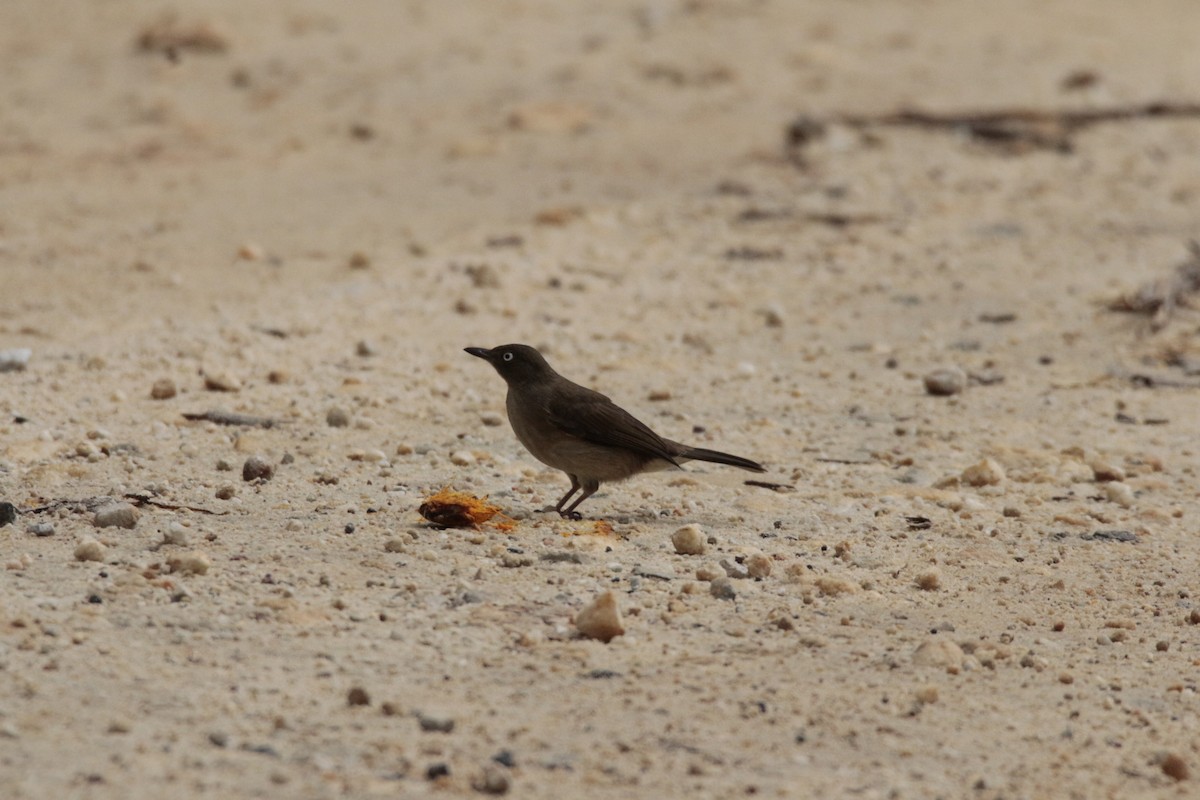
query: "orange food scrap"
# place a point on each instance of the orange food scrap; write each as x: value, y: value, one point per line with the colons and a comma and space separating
x: 461, y: 510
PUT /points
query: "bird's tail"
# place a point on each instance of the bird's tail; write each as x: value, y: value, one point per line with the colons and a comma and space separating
x: 717, y: 457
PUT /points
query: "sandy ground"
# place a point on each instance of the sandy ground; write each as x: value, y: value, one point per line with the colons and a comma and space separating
x: 986, y: 595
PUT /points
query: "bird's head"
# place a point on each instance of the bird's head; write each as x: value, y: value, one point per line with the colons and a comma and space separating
x: 516, y: 363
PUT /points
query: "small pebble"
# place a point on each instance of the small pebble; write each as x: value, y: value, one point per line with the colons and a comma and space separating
x: 89, y: 550
x: 1104, y: 471
x: 226, y: 492
x: 87, y: 450
x: 601, y: 619
x: 939, y: 652
x: 163, y: 389
x: 8, y: 514
x: 337, y: 417
x: 722, y: 589
x: 708, y: 573
x: 758, y: 566
x: 196, y: 563
x: 431, y: 723
x: 41, y: 528
x: 491, y: 419
x: 250, y: 252
x: 493, y: 780
x: 1173, y: 766
x: 930, y: 580
x: 516, y: 560
x: 773, y: 316
x: 257, y: 468
x: 176, y: 535
x: 14, y: 360
x: 734, y: 570
x: 357, y: 696
x: 366, y: 348
x: 985, y: 473
x: 689, y: 540
x: 221, y: 381
x: 462, y: 458
x: 435, y: 771
x: 116, y: 515
x: 945, y: 382
x: 1119, y: 493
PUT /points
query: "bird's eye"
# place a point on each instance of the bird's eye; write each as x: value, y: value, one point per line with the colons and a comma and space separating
x: 508, y: 356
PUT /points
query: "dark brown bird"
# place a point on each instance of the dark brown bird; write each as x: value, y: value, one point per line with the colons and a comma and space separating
x: 582, y: 432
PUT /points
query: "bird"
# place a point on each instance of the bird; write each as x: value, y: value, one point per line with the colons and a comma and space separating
x: 581, y: 431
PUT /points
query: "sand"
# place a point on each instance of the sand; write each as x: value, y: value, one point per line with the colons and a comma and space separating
x: 303, y: 212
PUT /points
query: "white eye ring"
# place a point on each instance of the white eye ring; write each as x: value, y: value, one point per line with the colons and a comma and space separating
x: 508, y: 356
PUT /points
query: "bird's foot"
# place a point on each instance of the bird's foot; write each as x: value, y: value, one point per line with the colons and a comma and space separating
x: 575, y: 515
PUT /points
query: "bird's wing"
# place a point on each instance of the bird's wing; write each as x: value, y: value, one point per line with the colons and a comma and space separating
x: 594, y: 418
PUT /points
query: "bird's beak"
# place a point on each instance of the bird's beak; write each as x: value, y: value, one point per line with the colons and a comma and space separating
x: 479, y: 352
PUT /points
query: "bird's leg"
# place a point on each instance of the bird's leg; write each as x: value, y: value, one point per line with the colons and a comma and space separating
x: 574, y: 488
x: 589, y: 488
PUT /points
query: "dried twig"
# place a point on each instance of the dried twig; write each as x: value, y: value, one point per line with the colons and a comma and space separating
x: 1016, y: 129
x: 142, y: 499
x: 775, y: 487
x: 230, y: 418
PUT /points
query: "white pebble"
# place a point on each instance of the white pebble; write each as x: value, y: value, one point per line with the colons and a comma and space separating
x: 176, y: 534
x: 14, y: 360
x: 1119, y: 493
x: 462, y: 458
x: 89, y: 550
